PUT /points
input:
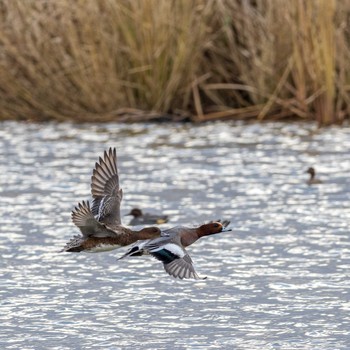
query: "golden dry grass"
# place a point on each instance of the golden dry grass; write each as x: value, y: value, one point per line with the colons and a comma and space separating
x: 131, y: 60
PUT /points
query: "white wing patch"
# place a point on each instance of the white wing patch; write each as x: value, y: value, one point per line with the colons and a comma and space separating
x: 171, y: 247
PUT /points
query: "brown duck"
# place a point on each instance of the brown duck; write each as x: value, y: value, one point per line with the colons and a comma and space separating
x: 313, y: 180
x: 100, y: 224
x: 170, y: 248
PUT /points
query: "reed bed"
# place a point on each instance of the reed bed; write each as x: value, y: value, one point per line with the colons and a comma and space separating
x: 135, y: 60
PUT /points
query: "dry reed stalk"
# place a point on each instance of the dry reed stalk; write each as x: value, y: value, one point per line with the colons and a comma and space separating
x: 89, y: 60
x: 312, y: 29
x: 166, y: 48
x: 276, y: 92
x: 66, y: 60
x: 247, y: 56
x: 342, y: 57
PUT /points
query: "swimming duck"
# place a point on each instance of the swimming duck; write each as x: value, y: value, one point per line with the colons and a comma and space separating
x: 170, y: 248
x: 139, y: 218
x: 100, y: 224
x: 313, y: 180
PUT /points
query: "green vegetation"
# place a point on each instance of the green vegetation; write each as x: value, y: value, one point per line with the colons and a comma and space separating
x: 104, y: 60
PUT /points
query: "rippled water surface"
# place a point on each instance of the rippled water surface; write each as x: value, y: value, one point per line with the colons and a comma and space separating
x: 279, y: 280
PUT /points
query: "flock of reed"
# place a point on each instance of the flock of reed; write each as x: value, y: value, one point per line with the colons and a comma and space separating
x: 133, y: 60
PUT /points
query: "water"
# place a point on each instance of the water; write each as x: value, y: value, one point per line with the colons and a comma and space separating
x: 280, y: 280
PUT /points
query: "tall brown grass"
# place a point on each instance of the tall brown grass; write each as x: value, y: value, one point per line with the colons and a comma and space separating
x: 104, y: 60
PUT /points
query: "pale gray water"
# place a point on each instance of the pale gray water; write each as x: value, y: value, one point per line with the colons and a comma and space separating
x: 280, y: 280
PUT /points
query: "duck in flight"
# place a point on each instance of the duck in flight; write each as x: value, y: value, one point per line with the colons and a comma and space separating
x: 100, y: 224
x: 170, y: 248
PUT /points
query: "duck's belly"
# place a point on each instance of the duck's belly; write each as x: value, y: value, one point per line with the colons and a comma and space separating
x: 103, y: 247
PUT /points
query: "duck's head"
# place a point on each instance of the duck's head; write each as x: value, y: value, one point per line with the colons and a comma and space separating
x: 151, y: 232
x: 135, y: 212
x: 212, y: 228
x: 311, y: 171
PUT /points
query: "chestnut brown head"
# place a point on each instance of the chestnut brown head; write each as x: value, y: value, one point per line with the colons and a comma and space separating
x: 311, y: 171
x: 210, y: 229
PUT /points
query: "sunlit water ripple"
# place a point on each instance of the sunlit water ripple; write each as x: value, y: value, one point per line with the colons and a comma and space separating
x: 280, y: 280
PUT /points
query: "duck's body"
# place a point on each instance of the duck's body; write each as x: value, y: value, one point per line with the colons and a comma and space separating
x: 170, y: 248
x: 313, y: 180
x: 103, y: 244
x: 140, y: 218
x: 91, y: 245
x: 100, y: 225
x: 99, y: 237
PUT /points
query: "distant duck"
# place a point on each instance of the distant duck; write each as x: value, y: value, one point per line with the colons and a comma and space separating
x: 170, y: 248
x: 313, y: 180
x: 139, y: 218
x: 100, y: 224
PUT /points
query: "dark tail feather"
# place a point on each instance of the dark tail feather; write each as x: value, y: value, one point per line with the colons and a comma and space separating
x: 134, y: 251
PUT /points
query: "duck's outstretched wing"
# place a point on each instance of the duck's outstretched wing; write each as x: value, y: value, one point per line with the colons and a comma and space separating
x: 169, y: 251
x: 105, y: 190
x: 175, y: 259
x: 142, y: 247
x: 83, y: 218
